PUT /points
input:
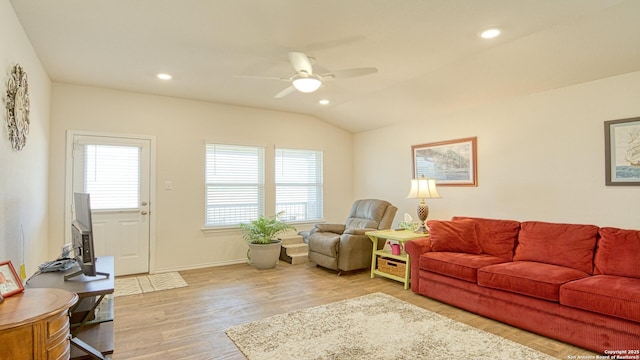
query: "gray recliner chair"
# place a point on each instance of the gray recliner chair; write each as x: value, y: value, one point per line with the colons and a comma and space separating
x: 345, y: 247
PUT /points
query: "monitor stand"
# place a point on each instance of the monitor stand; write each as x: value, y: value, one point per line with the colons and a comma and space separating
x: 79, y: 272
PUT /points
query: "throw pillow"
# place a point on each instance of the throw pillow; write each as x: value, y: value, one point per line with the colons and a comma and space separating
x: 618, y: 252
x: 454, y: 236
x: 496, y: 237
x: 567, y: 245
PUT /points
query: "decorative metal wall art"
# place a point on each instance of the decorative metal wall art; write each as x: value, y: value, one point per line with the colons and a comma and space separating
x: 17, y: 104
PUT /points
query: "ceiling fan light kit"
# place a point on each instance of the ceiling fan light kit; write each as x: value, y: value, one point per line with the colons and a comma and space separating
x: 306, y: 84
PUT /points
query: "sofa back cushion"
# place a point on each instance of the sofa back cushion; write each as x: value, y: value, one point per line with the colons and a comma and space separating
x: 496, y: 237
x: 569, y: 245
x: 454, y: 236
x: 618, y: 253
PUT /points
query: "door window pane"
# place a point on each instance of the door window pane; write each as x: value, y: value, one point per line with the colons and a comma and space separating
x: 112, y: 176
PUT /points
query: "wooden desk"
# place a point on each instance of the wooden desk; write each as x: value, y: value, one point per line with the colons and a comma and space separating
x: 91, y: 337
x: 35, y: 324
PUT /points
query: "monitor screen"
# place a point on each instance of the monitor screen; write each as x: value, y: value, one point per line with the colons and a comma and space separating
x: 82, y: 237
x: 82, y: 204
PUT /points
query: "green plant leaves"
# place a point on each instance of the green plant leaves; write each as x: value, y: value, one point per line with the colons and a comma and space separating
x: 262, y: 230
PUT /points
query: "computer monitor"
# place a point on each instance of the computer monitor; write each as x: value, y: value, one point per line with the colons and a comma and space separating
x: 82, y: 238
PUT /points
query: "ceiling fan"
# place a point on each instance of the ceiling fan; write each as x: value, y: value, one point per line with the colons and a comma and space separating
x: 305, y: 80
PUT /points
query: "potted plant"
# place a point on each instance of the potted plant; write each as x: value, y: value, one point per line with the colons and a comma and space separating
x: 264, y: 250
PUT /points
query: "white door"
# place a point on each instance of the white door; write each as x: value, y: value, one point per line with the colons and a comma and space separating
x: 116, y: 173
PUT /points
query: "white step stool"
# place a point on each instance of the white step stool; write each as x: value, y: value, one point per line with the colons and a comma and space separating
x: 294, y: 250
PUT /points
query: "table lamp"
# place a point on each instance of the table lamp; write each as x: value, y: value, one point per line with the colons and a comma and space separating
x: 423, y: 189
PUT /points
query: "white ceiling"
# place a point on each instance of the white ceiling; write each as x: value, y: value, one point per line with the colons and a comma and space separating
x: 428, y: 54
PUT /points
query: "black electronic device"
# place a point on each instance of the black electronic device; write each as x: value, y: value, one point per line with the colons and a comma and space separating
x: 82, y: 237
x: 60, y: 264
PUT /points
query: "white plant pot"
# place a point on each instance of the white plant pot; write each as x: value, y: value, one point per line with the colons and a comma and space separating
x: 265, y: 256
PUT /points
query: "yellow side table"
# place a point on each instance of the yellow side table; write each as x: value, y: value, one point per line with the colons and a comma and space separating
x: 401, y: 236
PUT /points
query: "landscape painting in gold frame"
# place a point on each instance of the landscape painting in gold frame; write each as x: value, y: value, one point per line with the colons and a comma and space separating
x: 622, y: 152
x: 451, y: 163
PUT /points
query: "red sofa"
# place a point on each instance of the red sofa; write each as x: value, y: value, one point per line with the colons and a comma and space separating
x: 576, y: 283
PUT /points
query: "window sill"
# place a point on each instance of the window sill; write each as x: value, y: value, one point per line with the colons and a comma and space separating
x: 220, y: 229
x: 233, y: 229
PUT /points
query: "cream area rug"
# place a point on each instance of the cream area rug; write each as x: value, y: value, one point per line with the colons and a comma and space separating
x: 374, y: 326
x: 148, y: 283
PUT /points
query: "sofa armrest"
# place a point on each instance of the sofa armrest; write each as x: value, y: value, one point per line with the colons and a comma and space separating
x: 415, y: 248
x: 333, y: 228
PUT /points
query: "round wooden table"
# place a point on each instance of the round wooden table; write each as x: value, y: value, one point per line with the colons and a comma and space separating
x: 34, y: 324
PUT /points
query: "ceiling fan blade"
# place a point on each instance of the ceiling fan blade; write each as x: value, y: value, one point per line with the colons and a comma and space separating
x: 348, y: 73
x: 300, y: 62
x: 261, y: 77
x: 285, y: 92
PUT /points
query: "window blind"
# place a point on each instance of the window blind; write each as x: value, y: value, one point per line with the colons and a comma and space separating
x: 299, y: 189
x: 234, y: 184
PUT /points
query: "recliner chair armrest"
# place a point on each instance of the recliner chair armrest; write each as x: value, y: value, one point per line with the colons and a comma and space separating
x: 355, y: 251
x: 334, y: 228
x: 357, y: 231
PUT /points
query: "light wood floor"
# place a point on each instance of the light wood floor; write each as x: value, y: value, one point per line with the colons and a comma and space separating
x: 189, y: 323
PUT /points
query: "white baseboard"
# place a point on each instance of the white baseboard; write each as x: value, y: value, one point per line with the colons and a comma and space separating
x: 198, y: 266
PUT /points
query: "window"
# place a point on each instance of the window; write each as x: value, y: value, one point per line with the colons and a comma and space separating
x: 112, y: 176
x: 234, y: 184
x: 299, y: 184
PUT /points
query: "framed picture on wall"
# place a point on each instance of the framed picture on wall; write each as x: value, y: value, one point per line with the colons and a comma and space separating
x: 451, y: 163
x: 9, y: 280
x: 622, y: 152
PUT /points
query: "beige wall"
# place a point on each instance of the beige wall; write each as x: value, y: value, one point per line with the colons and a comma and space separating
x: 181, y: 128
x: 23, y: 175
x: 540, y: 157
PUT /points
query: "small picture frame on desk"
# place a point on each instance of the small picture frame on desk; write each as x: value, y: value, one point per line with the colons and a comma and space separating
x: 10, y: 282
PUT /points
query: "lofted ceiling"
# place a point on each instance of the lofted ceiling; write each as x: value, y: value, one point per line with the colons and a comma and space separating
x: 429, y: 57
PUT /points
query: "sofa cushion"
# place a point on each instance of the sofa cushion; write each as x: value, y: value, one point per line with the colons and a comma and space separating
x: 458, y: 265
x: 454, y: 236
x: 528, y: 278
x: 567, y: 245
x: 618, y: 253
x: 496, y: 237
x: 605, y: 294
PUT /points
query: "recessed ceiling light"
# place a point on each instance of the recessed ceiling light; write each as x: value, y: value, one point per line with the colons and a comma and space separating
x: 324, y: 102
x: 164, y: 76
x: 490, y: 33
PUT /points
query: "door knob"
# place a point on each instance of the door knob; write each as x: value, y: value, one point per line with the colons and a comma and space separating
x: 143, y: 212
x: 144, y: 203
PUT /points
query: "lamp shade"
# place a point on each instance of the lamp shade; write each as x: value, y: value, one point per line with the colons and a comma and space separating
x: 306, y: 84
x: 423, y: 189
